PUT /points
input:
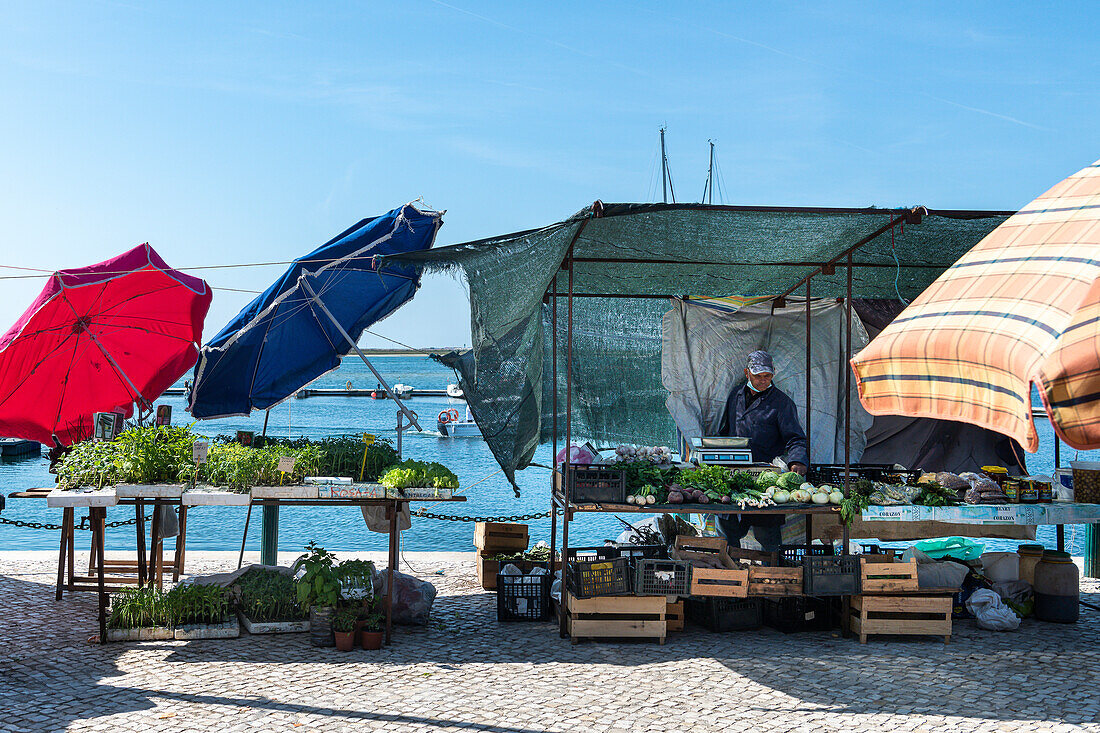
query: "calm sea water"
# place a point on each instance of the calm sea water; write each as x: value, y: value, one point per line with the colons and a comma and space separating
x: 220, y: 528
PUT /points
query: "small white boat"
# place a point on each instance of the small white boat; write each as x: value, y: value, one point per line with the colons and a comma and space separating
x: 450, y: 426
x: 454, y: 391
x: 402, y: 390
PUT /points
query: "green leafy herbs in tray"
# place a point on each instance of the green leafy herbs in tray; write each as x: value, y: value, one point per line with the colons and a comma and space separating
x: 151, y: 455
x: 417, y: 474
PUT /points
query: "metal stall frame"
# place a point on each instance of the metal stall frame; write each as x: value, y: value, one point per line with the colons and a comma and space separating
x: 560, y: 474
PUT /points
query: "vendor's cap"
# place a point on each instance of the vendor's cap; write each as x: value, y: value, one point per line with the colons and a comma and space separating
x: 760, y: 362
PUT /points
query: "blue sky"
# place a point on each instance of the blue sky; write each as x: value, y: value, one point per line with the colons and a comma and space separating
x: 244, y: 132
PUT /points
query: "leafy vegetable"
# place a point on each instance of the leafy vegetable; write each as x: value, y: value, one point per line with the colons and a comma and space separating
x: 417, y: 474
x: 767, y: 479
x: 790, y: 481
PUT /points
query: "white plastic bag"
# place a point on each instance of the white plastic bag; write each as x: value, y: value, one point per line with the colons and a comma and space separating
x: 991, y: 612
x: 1001, y: 567
x: 510, y: 569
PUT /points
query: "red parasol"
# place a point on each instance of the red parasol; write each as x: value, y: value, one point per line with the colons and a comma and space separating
x: 97, y: 339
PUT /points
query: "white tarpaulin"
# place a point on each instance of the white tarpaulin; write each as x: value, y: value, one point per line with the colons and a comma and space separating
x: 705, y: 345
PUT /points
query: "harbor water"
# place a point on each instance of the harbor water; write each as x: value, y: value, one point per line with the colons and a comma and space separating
x: 220, y: 528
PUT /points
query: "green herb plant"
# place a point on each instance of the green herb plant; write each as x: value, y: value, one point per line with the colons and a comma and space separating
x: 345, y: 618
x: 267, y: 596
x: 372, y: 615
x: 319, y: 584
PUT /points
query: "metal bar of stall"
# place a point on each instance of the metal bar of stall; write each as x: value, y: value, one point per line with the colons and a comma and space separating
x: 554, y: 425
x: 566, y: 493
x: 847, y: 397
x: 808, y: 402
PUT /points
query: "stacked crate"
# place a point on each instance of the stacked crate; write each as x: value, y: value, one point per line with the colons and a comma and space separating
x: 891, y: 602
x: 497, y: 538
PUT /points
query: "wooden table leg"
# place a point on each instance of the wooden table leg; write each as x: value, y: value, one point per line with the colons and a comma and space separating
x: 392, y: 510
x: 93, y: 549
x: 139, y: 515
x: 181, y: 545
x: 98, y: 529
x: 63, y: 551
x: 244, y: 537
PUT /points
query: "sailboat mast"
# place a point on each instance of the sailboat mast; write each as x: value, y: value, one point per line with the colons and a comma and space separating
x: 708, y: 190
x: 666, y: 174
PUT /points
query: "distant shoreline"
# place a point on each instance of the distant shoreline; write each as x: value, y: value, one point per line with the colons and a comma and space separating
x: 413, y: 352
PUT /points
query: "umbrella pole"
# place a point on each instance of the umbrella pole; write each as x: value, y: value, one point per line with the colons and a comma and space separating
x: 381, y: 380
x: 269, y: 523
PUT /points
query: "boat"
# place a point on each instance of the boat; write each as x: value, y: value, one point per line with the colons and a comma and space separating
x: 450, y: 426
x: 19, y: 448
x: 454, y: 391
x: 401, y: 391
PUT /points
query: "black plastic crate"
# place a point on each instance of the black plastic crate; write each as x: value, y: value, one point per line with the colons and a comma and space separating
x: 524, y: 597
x: 797, y: 613
x: 609, y: 577
x: 596, y: 483
x: 589, y: 554
x: 833, y: 575
x: 833, y: 473
x: 725, y: 614
x: 647, y: 552
x: 661, y: 577
x: 791, y: 555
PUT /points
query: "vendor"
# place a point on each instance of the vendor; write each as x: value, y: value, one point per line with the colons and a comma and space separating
x: 766, y: 416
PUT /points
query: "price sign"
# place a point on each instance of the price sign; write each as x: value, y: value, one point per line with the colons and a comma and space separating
x: 199, y: 450
x: 164, y: 415
x: 368, y: 438
x: 286, y: 464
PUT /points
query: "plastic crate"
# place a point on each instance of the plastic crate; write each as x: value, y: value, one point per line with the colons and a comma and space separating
x: 609, y: 577
x: 596, y: 483
x: 661, y: 577
x: 726, y: 614
x: 791, y: 555
x: 589, y: 554
x: 833, y: 473
x: 792, y: 615
x: 833, y: 575
x: 647, y: 552
x: 524, y: 597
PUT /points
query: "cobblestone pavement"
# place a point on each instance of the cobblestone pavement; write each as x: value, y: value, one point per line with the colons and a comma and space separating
x: 468, y: 672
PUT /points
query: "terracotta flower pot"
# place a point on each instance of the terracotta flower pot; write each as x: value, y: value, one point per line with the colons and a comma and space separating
x: 345, y: 640
x: 371, y: 639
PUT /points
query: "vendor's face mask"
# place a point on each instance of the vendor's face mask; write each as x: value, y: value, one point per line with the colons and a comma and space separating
x: 758, y: 382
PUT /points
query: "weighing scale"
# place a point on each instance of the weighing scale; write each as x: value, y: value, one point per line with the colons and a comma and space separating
x: 721, y: 451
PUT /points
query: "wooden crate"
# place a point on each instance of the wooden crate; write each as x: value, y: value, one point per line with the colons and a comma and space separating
x: 887, y: 577
x: 723, y: 582
x: 617, y: 617
x: 728, y: 581
x: 775, y: 581
x: 674, y: 616
x: 901, y: 613
x: 500, y: 537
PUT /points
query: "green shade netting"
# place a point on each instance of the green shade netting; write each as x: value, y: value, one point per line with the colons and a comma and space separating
x: 675, y: 250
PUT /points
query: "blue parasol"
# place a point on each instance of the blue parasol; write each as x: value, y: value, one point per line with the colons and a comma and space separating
x: 301, y: 326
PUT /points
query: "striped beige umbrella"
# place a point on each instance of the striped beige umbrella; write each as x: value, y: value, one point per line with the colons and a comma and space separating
x: 1023, y: 306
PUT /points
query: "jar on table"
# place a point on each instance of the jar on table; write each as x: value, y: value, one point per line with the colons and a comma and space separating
x: 1029, y: 491
x: 1045, y: 490
x: 1057, y: 588
x: 997, y: 473
x: 1030, y: 555
x: 1012, y: 490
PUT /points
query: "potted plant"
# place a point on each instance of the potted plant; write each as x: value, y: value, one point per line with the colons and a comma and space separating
x: 371, y: 620
x: 343, y: 626
x: 356, y: 579
x: 318, y: 590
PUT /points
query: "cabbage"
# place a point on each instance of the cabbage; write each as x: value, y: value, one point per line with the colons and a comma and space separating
x: 767, y: 480
x: 790, y: 480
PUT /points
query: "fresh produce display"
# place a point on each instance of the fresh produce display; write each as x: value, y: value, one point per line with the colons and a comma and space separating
x: 645, y: 495
x: 651, y: 454
x: 268, y: 596
x: 417, y: 474
x: 163, y: 454
x: 644, y: 473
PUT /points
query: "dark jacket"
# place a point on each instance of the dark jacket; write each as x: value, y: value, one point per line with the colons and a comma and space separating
x: 770, y: 423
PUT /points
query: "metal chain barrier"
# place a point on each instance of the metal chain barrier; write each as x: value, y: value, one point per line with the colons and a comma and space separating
x: 83, y: 524
x: 453, y: 518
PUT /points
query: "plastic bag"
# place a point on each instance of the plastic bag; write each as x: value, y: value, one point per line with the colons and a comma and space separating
x: 1001, y: 567
x: 991, y: 612
x: 510, y: 569
x: 412, y: 599
x: 539, y: 571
